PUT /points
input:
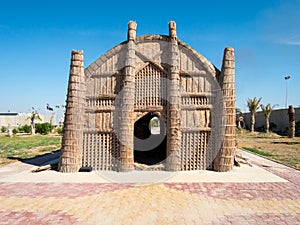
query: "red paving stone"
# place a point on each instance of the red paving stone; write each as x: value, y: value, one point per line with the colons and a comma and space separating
x: 39, y: 217
x: 240, y: 190
x: 285, y: 194
x: 257, y: 219
x: 57, y: 190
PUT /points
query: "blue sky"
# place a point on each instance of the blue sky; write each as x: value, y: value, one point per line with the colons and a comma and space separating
x: 36, y: 39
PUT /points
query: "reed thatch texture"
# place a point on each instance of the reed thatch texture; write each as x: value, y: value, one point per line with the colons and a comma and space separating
x: 225, y: 158
x: 71, y: 157
x: 173, y: 110
x: 127, y: 104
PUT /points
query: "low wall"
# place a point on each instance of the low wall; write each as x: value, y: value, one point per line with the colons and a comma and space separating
x: 21, y: 119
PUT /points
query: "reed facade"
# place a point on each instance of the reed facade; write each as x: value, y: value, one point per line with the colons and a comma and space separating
x: 111, y: 103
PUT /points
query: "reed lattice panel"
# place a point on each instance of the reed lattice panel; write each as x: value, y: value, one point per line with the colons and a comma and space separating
x: 194, y: 101
x: 100, y: 102
x: 194, y: 150
x: 150, y: 87
x: 100, y: 151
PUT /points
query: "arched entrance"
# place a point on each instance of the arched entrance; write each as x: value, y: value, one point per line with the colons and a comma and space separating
x: 150, y: 142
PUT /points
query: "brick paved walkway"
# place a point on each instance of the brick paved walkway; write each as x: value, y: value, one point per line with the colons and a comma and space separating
x: 161, y: 203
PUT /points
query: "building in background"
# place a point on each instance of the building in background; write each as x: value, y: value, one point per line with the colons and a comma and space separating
x: 279, y: 120
x: 19, y: 119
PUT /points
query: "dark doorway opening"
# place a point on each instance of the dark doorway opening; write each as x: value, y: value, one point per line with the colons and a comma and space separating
x: 150, y: 142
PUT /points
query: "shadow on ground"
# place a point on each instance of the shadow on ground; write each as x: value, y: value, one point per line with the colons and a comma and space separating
x: 41, y: 160
x: 286, y: 142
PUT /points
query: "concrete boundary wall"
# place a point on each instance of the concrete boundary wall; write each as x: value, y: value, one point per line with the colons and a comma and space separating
x: 20, y: 119
x: 279, y: 117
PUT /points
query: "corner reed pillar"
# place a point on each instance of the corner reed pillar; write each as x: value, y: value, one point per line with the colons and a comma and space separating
x: 174, y: 97
x: 225, y: 158
x: 72, y: 142
x: 127, y: 104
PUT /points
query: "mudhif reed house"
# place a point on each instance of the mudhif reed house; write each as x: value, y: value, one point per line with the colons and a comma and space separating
x: 150, y: 101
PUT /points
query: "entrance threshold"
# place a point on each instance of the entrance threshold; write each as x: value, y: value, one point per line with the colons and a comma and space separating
x: 145, y: 167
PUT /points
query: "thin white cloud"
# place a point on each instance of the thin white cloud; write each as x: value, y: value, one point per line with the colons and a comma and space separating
x: 293, y: 39
x: 294, y: 43
x: 287, y: 42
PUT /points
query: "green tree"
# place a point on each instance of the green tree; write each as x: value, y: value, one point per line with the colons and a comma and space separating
x: 267, y: 110
x: 34, y: 116
x: 253, y: 105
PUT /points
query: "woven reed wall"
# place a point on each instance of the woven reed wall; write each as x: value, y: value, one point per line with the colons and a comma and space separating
x: 150, y: 82
x: 188, y: 111
x: 101, y: 147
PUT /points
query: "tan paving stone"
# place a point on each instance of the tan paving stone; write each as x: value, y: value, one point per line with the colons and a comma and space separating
x: 171, y: 203
x: 191, y: 207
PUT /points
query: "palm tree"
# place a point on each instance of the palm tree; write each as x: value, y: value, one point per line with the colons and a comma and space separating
x: 253, y: 105
x: 291, y: 112
x: 267, y: 112
x: 34, y: 116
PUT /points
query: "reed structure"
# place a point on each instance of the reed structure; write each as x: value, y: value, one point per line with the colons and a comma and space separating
x: 151, y: 100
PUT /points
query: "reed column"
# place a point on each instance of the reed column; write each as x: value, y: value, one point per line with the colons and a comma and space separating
x: 225, y: 158
x: 72, y: 142
x: 174, y: 97
x: 127, y: 104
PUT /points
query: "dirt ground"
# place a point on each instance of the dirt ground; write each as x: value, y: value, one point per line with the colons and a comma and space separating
x: 283, y: 149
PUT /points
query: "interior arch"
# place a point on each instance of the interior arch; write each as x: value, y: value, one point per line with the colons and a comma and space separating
x: 150, y: 140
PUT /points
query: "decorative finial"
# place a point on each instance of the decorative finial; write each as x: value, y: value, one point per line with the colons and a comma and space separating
x: 131, y: 30
x: 229, y: 53
x: 172, y: 29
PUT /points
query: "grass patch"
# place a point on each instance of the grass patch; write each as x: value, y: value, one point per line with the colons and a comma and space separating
x: 48, y: 149
x: 259, y: 152
x: 27, y: 142
x: 290, y: 160
x: 24, y: 147
x: 280, y: 148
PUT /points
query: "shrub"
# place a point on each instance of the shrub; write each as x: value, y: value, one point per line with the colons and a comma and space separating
x: 24, y: 129
x: 3, y: 129
x: 43, y: 128
x: 15, y: 130
x: 59, y: 130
